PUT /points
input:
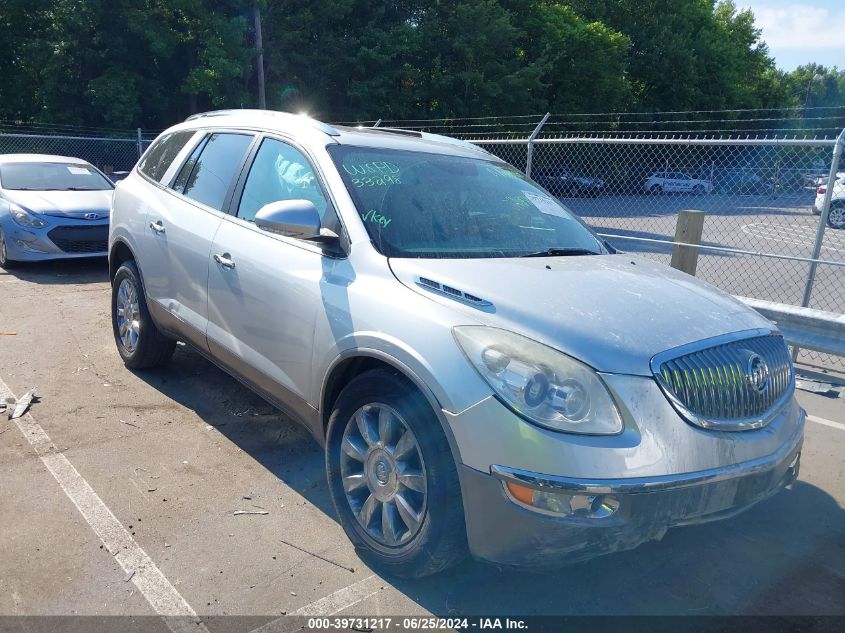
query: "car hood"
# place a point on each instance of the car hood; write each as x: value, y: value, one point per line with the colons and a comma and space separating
x: 613, y: 312
x: 67, y: 204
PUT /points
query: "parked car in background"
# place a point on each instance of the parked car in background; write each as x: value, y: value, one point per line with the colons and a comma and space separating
x: 741, y: 181
x: 811, y: 182
x: 676, y: 182
x: 562, y: 181
x: 836, y: 217
x: 486, y: 375
x: 52, y: 207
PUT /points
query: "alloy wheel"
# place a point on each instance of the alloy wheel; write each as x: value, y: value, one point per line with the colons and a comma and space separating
x: 383, y: 474
x: 128, y: 315
x: 836, y: 218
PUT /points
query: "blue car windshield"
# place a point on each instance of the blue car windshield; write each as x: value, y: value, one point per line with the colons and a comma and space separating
x: 52, y: 177
x: 416, y: 204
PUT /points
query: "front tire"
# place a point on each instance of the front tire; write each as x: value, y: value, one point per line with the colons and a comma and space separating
x: 698, y: 190
x: 139, y: 341
x: 393, y: 480
x: 5, y: 262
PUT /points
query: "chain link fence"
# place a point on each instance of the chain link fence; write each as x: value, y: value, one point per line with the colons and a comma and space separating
x: 110, y: 151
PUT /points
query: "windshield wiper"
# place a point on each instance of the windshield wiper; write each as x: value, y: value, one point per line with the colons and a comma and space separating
x: 562, y: 252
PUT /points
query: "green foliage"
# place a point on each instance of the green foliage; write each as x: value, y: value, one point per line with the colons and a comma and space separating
x: 122, y: 63
x: 149, y: 63
x: 817, y: 86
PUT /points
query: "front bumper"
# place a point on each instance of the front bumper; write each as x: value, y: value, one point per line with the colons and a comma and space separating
x: 62, y: 238
x: 503, y: 530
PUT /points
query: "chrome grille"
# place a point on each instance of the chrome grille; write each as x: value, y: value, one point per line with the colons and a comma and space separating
x: 734, y: 385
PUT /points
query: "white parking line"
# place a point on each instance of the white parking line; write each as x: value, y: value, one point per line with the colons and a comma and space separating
x: 793, y: 234
x: 153, y: 585
x: 830, y: 423
x: 332, y: 604
x: 343, y: 598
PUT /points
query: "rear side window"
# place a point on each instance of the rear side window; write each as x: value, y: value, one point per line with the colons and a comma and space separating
x: 212, y: 172
x: 188, y: 167
x: 156, y: 161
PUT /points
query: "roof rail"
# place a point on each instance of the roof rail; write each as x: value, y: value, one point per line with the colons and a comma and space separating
x: 323, y: 127
x: 452, y: 141
x: 397, y: 130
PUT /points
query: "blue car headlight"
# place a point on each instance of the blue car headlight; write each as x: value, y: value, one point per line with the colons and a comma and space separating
x: 26, y: 219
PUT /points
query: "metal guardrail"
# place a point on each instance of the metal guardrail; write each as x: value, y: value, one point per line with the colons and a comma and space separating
x: 804, y: 327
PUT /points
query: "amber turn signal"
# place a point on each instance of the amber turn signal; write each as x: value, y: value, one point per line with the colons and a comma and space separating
x: 521, y: 493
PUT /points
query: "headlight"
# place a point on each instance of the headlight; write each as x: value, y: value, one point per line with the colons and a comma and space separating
x: 24, y: 218
x: 539, y: 383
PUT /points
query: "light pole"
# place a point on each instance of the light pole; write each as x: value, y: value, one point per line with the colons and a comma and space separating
x: 813, y: 79
x: 259, y: 44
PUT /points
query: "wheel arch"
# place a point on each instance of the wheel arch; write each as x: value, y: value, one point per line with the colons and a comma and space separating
x: 119, y: 253
x: 353, y: 363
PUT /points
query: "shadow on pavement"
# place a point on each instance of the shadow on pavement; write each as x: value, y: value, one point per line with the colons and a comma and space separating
x: 61, y: 271
x: 784, y: 556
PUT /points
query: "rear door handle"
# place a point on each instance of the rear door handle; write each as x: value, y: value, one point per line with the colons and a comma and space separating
x: 157, y: 226
x: 225, y: 260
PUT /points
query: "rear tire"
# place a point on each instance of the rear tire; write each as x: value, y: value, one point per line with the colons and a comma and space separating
x: 698, y: 190
x: 655, y: 190
x: 140, y: 343
x: 372, y: 502
x: 836, y: 217
x: 5, y: 262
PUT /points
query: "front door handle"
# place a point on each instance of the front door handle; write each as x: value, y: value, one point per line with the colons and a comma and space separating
x: 225, y: 260
x: 157, y: 226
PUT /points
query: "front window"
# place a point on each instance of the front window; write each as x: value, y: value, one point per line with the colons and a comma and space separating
x: 52, y: 177
x: 415, y: 204
x: 281, y: 172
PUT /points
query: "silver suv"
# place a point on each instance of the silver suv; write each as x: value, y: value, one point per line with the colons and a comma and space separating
x: 486, y: 374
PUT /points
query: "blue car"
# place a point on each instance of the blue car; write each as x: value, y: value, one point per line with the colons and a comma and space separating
x: 52, y: 207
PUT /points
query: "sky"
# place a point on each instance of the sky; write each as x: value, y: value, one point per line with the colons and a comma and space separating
x: 800, y: 32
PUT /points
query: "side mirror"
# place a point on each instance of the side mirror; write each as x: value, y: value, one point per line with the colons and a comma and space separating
x: 291, y: 218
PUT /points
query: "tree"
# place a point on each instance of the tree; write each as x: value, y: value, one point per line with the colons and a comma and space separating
x: 122, y: 63
x: 583, y: 63
x: 21, y: 54
x: 440, y: 59
x: 689, y: 54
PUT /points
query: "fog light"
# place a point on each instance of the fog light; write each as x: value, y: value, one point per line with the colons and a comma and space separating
x: 29, y: 246
x: 564, y: 504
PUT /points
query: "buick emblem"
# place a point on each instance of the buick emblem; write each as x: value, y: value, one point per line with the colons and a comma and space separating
x: 757, y: 372
x: 92, y: 216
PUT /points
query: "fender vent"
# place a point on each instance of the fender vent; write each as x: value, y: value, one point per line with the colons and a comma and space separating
x: 453, y: 293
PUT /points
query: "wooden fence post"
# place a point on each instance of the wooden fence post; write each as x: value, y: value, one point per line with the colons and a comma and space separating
x: 688, y: 230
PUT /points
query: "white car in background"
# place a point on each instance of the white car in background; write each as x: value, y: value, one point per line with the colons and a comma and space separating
x: 676, y: 182
x: 836, y: 217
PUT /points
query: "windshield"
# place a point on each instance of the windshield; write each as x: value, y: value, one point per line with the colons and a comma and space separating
x: 416, y: 204
x: 52, y: 177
